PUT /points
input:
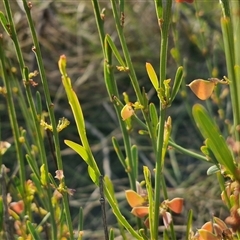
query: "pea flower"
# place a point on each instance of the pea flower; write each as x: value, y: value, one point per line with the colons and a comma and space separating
x: 140, y: 206
x: 214, y: 230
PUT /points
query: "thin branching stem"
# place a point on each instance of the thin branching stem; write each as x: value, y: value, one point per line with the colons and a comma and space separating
x: 164, y: 17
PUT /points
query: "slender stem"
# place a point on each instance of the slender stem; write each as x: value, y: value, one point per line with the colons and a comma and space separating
x: 236, y: 29
x: 236, y: 41
x: 230, y: 46
x: 37, y: 51
x: 99, y: 21
x: 12, y: 113
x: 186, y: 151
x: 102, y: 202
x: 13, y: 34
x: 6, y: 222
x: 225, y: 8
x: 122, y: 220
x: 132, y: 73
x: 112, y: 87
x: 158, y: 172
x: 35, y: 120
x: 42, y: 72
x: 164, y: 17
x: 13, y: 117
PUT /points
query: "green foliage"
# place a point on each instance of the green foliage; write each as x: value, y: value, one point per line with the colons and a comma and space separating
x: 214, y: 141
x: 38, y: 202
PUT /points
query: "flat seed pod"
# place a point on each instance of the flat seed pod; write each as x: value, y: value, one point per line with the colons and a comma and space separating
x: 203, y: 89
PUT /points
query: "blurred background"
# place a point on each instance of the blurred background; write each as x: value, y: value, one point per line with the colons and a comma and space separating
x: 195, y: 42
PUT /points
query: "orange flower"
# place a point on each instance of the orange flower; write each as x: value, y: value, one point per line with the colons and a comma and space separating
x: 140, y: 211
x: 17, y: 207
x: 127, y: 111
x: 234, y: 219
x: 134, y: 199
x: 140, y: 208
x: 175, y: 204
x: 214, y: 231
x: 188, y: 1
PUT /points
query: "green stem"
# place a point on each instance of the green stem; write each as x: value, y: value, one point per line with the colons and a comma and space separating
x: 13, y: 34
x: 121, y: 218
x: 13, y: 121
x: 19, y: 55
x: 99, y: 21
x: 11, y: 108
x: 132, y: 73
x: 236, y: 85
x: 164, y: 17
x: 236, y: 29
x: 35, y: 119
x: 230, y: 46
x: 186, y: 151
x: 37, y: 51
x: 128, y: 60
x: 158, y: 174
x: 28, y: 91
x: 112, y: 87
x: 225, y: 8
x: 42, y: 72
x: 111, y: 82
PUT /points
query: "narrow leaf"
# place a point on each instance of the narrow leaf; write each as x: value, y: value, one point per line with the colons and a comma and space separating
x: 33, y: 231
x: 31, y: 161
x: 4, y: 23
x: 147, y: 176
x: 111, y: 234
x: 38, y: 103
x: 109, y: 186
x: 134, y: 151
x: 189, y: 224
x: 154, y: 116
x: 177, y: 83
x: 53, y: 182
x: 115, y: 51
x: 75, y: 105
x: 215, y: 141
x: 93, y: 175
x: 119, y: 152
x: 79, y: 149
x: 152, y: 75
